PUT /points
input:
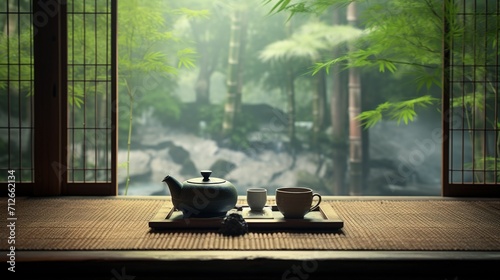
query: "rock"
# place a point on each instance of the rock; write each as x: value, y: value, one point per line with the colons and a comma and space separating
x: 178, y: 154
x: 139, y: 165
x: 158, y: 145
x: 182, y: 155
x: 189, y: 169
x: 221, y: 167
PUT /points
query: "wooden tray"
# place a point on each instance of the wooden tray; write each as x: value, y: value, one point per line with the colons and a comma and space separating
x: 323, y: 218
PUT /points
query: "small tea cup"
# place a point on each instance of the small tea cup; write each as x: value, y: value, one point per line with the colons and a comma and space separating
x: 256, y: 198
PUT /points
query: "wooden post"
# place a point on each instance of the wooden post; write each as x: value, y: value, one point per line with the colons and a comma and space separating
x: 48, y: 52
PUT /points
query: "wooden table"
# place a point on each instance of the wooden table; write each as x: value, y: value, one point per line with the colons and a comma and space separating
x: 261, y: 264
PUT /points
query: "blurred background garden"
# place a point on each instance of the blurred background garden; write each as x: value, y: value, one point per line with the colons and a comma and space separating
x: 237, y: 87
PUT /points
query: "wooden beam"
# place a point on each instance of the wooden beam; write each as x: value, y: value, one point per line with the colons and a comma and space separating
x: 48, y: 73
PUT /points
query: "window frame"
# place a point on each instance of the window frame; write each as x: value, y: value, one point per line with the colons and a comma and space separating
x: 448, y: 188
x: 50, y: 110
x: 50, y: 107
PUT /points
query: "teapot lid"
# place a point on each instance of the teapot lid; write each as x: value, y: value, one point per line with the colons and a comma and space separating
x: 206, y: 179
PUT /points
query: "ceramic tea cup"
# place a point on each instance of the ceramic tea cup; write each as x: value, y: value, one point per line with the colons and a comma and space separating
x: 296, y: 202
x: 256, y: 198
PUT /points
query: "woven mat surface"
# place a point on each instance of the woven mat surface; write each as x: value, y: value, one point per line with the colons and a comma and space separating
x: 116, y: 224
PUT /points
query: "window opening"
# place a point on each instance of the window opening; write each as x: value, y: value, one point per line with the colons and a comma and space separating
x: 90, y: 84
x: 471, y: 96
x: 16, y: 89
x: 251, y: 75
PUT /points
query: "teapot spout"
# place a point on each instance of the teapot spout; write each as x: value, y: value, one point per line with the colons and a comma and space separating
x: 174, y: 186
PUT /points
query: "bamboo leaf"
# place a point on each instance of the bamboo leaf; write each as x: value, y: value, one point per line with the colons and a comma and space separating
x: 384, y: 106
x: 381, y: 67
x: 369, y: 118
x: 385, y: 64
x: 327, y: 65
x: 279, y: 6
x: 186, y: 59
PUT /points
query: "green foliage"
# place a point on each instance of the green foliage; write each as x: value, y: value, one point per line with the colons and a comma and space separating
x: 186, y: 58
x: 311, y: 6
x: 405, y: 33
x: 192, y: 14
x: 149, y: 50
x: 427, y: 77
x: 165, y: 106
x: 16, y: 52
x: 150, y: 54
x: 487, y: 163
x: 279, y: 6
x: 244, y: 124
x: 470, y: 101
x: 309, y: 41
x: 212, y: 115
x: 385, y: 64
x: 402, y: 37
x: 402, y: 111
x: 147, y: 44
x: 75, y: 96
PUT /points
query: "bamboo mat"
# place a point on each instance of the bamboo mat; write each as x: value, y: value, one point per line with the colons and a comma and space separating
x: 122, y: 224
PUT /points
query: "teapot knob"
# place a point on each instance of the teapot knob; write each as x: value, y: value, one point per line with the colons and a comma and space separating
x: 206, y: 174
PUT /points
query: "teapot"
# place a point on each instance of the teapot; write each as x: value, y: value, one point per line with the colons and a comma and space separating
x: 202, y: 196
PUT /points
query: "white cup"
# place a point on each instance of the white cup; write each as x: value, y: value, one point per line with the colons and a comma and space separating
x: 256, y: 198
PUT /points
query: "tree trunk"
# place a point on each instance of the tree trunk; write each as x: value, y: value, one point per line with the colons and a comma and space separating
x: 355, y: 131
x: 241, y: 54
x: 290, y: 92
x: 319, y: 101
x: 338, y: 111
x: 207, y: 35
x: 315, y: 115
x: 202, y: 86
x: 208, y: 60
x: 323, y: 121
x: 232, y: 75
